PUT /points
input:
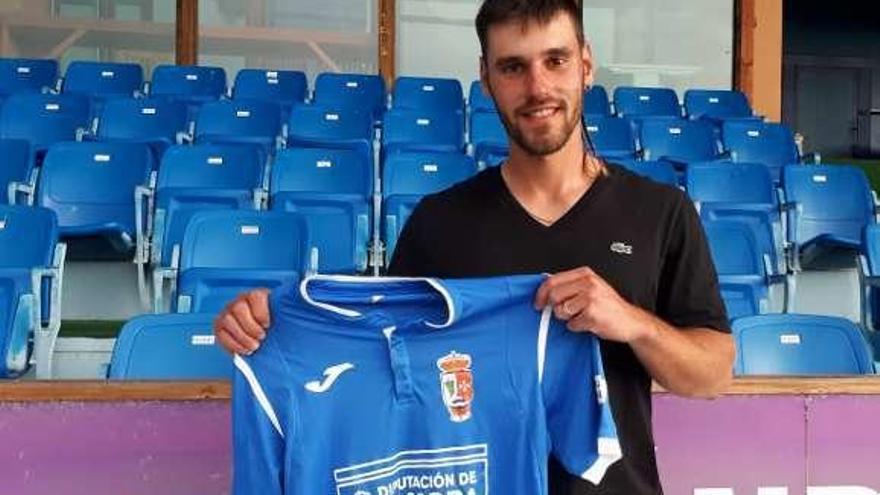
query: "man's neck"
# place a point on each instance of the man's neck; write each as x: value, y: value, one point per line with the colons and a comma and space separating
x: 548, y: 186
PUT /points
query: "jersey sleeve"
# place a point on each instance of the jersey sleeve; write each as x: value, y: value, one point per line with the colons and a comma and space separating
x: 258, y: 439
x: 582, y: 431
x: 688, y: 291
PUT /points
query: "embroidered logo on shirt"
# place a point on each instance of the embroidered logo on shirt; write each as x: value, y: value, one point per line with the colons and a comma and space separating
x: 331, y: 374
x: 457, y: 385
x: 621, y: 248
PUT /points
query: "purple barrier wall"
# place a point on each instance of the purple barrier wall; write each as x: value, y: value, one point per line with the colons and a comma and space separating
x: 736, y: 445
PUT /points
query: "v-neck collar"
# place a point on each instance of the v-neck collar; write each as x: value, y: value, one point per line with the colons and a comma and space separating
x: 529, y: 219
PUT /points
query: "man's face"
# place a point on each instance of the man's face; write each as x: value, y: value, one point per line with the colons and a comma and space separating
x: 536, y: 74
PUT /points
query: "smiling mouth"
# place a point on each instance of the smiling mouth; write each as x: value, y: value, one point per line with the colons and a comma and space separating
x: 540, y: 113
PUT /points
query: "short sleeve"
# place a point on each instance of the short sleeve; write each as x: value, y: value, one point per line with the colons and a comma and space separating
x: 688, y: 294
x: 582, y: 431
x: 409, y: 258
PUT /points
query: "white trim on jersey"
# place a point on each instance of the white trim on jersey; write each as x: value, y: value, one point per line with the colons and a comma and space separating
x: 543, y: 332
x: 609, y: 453
x: 258, y: 392
x: 350, y: 279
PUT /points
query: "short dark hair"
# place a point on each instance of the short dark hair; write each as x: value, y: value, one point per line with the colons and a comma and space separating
x: 499, y: 11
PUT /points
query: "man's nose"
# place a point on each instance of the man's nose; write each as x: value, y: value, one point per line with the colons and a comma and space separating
x: 537, y: 82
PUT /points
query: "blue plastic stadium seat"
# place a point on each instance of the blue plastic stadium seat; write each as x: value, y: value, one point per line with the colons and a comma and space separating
x: 358, y: 91
x: 228, y: 252
x: 282, y: 87
x: 717, y: 104
x: 410, y: 176
x: 828, y: 206
x: 742, y: 268
x: 679, y: 141
x: 196, y: 178
x: 871, y: 280
x: 91, y: 188
x: 662, y: 172
x: 332, y: 190
x: 634, y: 102
x: 596, y: 102
x: 193, y: 85
x: 324, y: 126
x: 19, y: 75
x: 169, y: 347
x: 101, y: 81
x: 794, y: 344
x: 251, y: 123
x: 421, y: 130
x: 28, y: 247
x: 478, y: 101
x: 760, y: 142
x: 741, y: 191
x: 430, y: 94
x: 612, y: 138
x: 43, y: 119
x: 16, y: 168
x: 489, y: 138
x: 155, y: 122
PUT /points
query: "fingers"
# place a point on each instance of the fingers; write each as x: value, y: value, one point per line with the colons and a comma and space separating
x: 231, y: 336
x: 543, y: 296
x: 572, y: 307
x: 258, y: 300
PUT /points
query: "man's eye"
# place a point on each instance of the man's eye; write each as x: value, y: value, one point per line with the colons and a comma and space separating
x: 557, y: 61
x: 511, y: 68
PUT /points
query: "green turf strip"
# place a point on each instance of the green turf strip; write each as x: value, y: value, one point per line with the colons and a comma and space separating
x: 96, y: 329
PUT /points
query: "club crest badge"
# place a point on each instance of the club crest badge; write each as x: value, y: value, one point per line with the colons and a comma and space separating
x: 457, y: 385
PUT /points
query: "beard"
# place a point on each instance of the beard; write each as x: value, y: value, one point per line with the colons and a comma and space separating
x: 546, y: 141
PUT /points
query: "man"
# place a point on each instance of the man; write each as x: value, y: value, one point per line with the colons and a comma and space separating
x: 629, y: 257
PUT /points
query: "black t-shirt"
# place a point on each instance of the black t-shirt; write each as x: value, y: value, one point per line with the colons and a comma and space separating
x: 644, y: 238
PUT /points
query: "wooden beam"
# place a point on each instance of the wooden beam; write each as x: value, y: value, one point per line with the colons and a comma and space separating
x: 187, y: 44
x: 387, y: 41
x: 66, y: 43
x: 108, y: 391
x: 759, y: 55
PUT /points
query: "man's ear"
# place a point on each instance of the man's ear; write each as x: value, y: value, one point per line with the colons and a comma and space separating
x: 589, y: 71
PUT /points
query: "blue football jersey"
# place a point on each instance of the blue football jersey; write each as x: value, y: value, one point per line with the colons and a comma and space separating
x: 380, y: 386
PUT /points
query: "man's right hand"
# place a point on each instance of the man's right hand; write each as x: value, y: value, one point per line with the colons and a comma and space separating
x: 242, y: 324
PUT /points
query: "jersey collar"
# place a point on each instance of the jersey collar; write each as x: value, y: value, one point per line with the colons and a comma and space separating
x: 426, y: 284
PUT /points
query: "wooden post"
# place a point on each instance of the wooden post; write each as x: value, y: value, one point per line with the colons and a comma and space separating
x: 759, y: 55
x: 187, y: 44
x: 387, y: 35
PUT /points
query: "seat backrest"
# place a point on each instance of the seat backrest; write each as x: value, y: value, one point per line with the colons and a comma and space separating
x: 406, y: 129
x: 169, y: 347
x: 428, y: 93
x: 716, y: 103
x: 596, y: 101
x: 487, y: 128
x: 478, y: 101
x: 129, y: 119
x: 424, y: 173
x: 611, y: 136
x: 103, y: 78
x: 793, y: 344
x: 324, y: 125
x: 321, y: 170
x: 93, y: 182
x: 687, y: 140
x: 632, y: 101
x: 662, y: 172
x: 16, y: 162
x: 25, y: 74
x: 871, y: 245
x: 211, y: 166
x: 284, y: 87
x: 27, y: 236
x: 735, y: 248
x: 760, y: 142
x: 238, y: 119
x: 43, y: 119
x: 364, y: 91
x: 724, y: 182
x: 188, y: 80
x: 831, y: 200
x: 245, y: 240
